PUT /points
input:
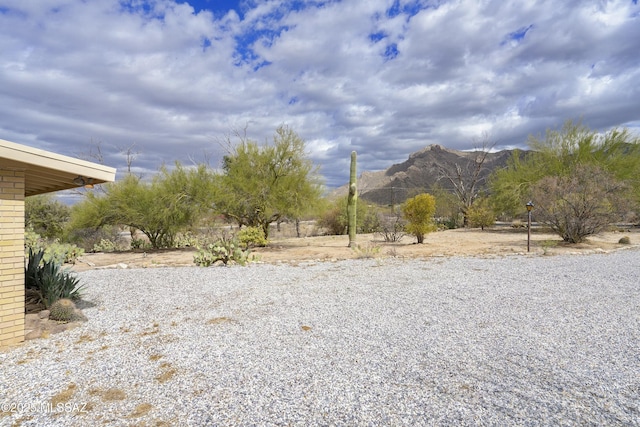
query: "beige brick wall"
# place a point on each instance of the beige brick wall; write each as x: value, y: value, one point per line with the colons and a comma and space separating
x: 11, y: 257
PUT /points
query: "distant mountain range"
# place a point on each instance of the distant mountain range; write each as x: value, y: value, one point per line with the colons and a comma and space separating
x: 433, y: 165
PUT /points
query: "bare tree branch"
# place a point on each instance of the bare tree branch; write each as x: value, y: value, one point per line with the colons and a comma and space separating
x: 466, y: 179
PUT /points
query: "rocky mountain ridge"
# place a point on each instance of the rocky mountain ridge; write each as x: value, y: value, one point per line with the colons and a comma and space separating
x: 432, y: 166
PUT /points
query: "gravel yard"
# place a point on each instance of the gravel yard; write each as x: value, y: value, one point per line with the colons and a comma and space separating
x: 514, y: 340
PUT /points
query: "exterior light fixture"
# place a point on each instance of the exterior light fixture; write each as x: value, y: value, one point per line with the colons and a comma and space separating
x: 81, y: 181
x: 529, y: 209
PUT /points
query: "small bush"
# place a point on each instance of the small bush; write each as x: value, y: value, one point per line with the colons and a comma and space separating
x: 334, y: 221
x: 226, y: 250
x: 55, y: 251
x: 250, y: 237
x: 62, y: 253
x: 105, y: 245
x: 367, y: 252
x: 98, y: 240
x: 140, y: 244
x: 449, y: 222
x: 186, y: 240
x: 418, y: 211
x: 392, y: 228
x: 32, y: 240
x: 625, y: 240
x: 480, y: 215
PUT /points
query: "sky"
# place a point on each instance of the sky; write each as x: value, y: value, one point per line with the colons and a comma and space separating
x: 172, y: 80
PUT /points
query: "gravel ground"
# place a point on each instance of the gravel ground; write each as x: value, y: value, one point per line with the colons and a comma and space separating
x: 518, y: 340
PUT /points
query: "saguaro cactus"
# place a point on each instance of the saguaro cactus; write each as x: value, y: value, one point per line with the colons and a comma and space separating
x: 351, y: 204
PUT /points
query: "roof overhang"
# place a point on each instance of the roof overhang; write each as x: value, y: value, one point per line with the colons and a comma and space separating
x: 46, y: 172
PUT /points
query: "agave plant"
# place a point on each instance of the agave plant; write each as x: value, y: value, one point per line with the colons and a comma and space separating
x: 50, y: 281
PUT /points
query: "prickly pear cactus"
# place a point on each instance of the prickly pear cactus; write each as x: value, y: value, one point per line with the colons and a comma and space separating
x: 62, y: 310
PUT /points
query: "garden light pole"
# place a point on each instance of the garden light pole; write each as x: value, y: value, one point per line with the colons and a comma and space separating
x: 529, y: 209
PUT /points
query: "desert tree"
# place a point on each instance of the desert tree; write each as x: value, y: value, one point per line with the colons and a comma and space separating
x: 581, y: 204
x: 130, y: 154
x: 481, y: 214
x: 171, y: 202
x: 46, y: 215
x: 466, y: 180
x: 418, y: 212
x: 555, y: 172
x: 260, y: 184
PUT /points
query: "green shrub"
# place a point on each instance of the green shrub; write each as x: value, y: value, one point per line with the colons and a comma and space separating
x: 62, y: 310
x: 53, y: 250
x: 48, y: 280
x: 367, y: 252
x: 625, y: 240
x: 418, y: 212
x: 335, y: 221
x: 92, y: 240
x: 32, y: 240
x: 105, y: 245
x: 140, y: 244
x: 186, y: 240
x: 227, y: 250
x: 480, y: 215
x: 250, y: 237
x: 62, y: 253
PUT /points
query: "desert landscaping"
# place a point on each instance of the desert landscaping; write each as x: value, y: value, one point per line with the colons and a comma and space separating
x: 501, y: 240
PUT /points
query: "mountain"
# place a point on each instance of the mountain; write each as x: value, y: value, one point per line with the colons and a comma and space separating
x: 424, y: 169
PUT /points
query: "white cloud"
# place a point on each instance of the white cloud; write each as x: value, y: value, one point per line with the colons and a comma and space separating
x: 345, y: 75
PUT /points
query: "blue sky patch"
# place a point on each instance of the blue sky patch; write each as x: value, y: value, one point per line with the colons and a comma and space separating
x: 218, y: 7
x: 410, y: 9
x: 245, y: 43
x: 517, y: 35
x: 133, y: 6
x: 391, y: 52
x: 376, y: 37
x: 206, y: 43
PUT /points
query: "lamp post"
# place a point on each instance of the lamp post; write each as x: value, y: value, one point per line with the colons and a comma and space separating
x: 529, y: 209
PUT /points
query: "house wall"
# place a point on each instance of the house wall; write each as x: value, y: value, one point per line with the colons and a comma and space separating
x: 12, y: 189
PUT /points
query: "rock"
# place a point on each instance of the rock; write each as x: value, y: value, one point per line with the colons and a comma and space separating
x: 31, y: 321
x: 56, y: 328
x: 33, y: 334
x: 79, y: 316
x: 44, y: 314
x: 122, y: 265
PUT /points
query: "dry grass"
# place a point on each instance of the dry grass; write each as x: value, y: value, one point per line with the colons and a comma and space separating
x: 153, y: 331
x: 167, y: 373
x: 141, y: 410
x: 218, y: 320
x: 85, y: 338
x: 112, y: 394
x: 64, y: 396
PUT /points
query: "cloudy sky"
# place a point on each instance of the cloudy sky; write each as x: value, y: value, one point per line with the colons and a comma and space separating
x: 170, y: 79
